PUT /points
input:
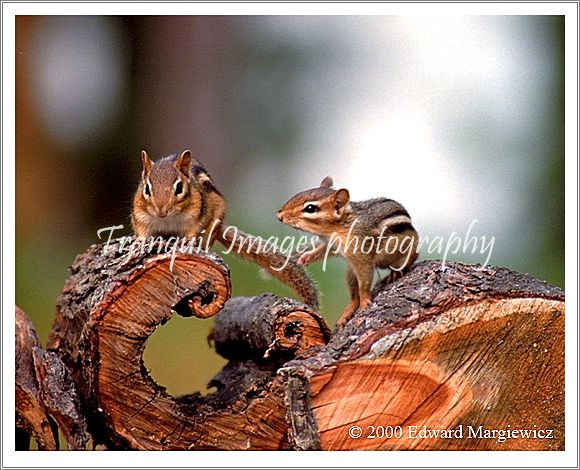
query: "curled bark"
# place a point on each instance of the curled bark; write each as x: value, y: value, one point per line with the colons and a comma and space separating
x: 109, y: 307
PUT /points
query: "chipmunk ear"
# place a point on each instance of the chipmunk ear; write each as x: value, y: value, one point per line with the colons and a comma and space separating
x: 341, y: 198
x: 183, y: 162
x: 327, y: 182
x: 146, y: 162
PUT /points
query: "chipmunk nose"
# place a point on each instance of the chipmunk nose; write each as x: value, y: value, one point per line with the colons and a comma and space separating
x: 280, y: 216
x: 162, y: 212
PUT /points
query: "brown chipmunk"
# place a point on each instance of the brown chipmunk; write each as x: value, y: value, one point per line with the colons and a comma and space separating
x: 177, y: 197
x: 376, y: 233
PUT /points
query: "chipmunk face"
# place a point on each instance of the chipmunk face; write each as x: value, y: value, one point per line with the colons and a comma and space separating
x: 316, y: 210
x: 165, y: 204
x: 165, y: 185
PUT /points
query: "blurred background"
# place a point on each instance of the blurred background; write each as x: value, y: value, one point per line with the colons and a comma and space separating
x: 458, y: 118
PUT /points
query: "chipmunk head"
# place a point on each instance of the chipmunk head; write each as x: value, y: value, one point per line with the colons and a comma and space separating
x: 316, y: 210
x: 165, y: 184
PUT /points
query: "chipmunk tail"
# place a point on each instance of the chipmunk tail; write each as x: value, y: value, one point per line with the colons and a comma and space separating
x: 271, y: 260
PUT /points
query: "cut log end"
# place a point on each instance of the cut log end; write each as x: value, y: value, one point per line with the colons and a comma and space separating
x: 443, y: 348
x: 436, y: 375
x: 478, y: 352
x: 267, y: 326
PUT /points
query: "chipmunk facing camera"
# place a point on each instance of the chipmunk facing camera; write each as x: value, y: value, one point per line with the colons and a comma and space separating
x: 177, y: 197
x: 376, y: 233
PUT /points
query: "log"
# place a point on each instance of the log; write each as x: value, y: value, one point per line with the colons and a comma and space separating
x: 59, y: 397
x: 267, y: 326
x: 31, y: 418
x: 471, y: 350
x: 110, y: 305
x: 446, y: 347
x: 46, y: 397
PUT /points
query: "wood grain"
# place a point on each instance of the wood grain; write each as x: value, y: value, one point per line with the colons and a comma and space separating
x: 442, y: 376
x: 109, y: 307
x: 267, y: 326
x: 446, y: 347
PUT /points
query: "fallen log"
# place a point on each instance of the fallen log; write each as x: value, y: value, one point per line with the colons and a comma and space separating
x: 58, y: 394
x: 264, y: 326
x: 109, y: 307
x: 444, y: 347
x: 46, y: 397
x: 471, y: 350
x: 31, y: 418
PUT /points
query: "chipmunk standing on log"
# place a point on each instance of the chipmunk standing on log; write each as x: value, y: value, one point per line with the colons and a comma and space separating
x: 371, y: 234
x: 177, y: 197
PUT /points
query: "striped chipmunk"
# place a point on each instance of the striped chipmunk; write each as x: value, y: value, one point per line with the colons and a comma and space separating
x: 177, y: 197
x: 371, y: 234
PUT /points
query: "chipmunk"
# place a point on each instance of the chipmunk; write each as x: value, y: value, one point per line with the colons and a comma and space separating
x: 376, y: 233
x: 177, y: 197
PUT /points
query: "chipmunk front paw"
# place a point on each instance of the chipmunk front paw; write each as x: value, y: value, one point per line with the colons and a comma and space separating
x: 306, y: 258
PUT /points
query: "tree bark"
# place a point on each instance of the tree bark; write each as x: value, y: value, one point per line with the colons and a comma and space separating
x: 46, y: 396
x: 59, y: 397
x: 264, y: 326
x: 31, y: 418
x: 445, y: 347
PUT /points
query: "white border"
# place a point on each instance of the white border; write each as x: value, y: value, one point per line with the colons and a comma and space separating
x: 291, y: 8
x: 287, y: 459
x: 571, y: 228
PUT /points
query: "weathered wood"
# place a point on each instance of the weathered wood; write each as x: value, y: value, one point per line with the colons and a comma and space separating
x: 31, y: 418
x: 45, y: 393
x: 444, y: 347
x: 266, y: 325
x: 109, y: 307
x: 59, y: 397
x: 303, y: 431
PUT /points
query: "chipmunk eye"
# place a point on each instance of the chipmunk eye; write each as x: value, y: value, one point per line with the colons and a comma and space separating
x: 178, y: 188
x: 147, y: 190
x: 310, y: 209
